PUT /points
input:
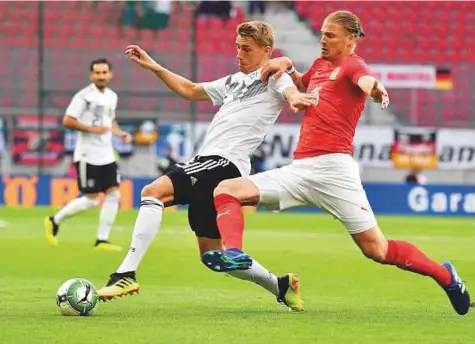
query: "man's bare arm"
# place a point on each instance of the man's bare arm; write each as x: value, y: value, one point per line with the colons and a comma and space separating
x: 374, y: 89
x: 176, y: 83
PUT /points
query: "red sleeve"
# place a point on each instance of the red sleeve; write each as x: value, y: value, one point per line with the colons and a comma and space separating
x: 356, y: 69
x: 306, y: 77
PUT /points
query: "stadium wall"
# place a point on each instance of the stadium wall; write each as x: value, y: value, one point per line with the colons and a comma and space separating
x: 391, y: 199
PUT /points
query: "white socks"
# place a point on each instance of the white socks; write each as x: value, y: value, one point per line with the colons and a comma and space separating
x: 76, y: 206
x: 146, y: 227
x: 109, y: 210
x: 259, y: 275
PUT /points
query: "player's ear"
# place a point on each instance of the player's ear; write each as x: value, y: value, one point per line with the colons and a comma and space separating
x: 268, y: 51
x: 351, y: 39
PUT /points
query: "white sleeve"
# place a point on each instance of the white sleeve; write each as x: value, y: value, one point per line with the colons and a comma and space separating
x: 114, y: 110
x: 281, y: 84
x: 77, y: 106
x: 216, y: 90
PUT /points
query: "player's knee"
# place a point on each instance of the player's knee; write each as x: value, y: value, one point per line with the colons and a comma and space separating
x: 150, y: 190
x: 154, y: 190
x: 112, y: 196
x: 92, y: 201
x: 225, y: 187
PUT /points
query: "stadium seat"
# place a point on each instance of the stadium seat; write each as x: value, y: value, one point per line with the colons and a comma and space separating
x: 398, y: 32
x: 436, y: 33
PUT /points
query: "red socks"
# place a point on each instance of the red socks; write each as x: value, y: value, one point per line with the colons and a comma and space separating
x: 230, y: 220
x: 408, y: 257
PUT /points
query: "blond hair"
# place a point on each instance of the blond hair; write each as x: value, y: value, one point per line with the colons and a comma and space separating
x: 349, y: 21
x: 260, y: 31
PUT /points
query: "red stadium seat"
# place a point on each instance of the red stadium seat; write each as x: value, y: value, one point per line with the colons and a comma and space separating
x: 440, y: 33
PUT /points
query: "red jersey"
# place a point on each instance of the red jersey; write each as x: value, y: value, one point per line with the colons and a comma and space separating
x: 329, y: 126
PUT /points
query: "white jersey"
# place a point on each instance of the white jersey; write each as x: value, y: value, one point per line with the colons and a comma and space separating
x: 248, y: 109
x: 93, y: 107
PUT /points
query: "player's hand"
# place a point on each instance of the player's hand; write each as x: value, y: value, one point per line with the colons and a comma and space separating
x: 125, y: 136
x: 275, y: 67
x: 99, y: 130
x: 380, y: 95
x: 140, y: 57
x: 300, y: 101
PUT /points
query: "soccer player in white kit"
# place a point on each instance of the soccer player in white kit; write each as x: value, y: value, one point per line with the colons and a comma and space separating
x: 91, y: 113
x: 323, y: 172
x: 248, y: 108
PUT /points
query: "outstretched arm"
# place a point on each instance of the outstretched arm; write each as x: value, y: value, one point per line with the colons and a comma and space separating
x: 374, y: 89
x: 176, y: 83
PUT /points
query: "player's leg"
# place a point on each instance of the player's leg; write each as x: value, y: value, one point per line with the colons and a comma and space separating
x: 155, y: 197
x: 342, y: 194
x: 109, y: 183
x: 265, y: 188
x: 88, y: 200
x: 109, y: 210
x: 407, y: 256
x: 202, y: 219
x: 229, y: 195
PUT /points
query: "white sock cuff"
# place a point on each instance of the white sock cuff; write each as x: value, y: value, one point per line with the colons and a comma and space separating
x: 151, y: 201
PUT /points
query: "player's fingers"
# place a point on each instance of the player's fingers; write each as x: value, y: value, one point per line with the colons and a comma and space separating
x: 310, y: 96
x: 265, y: 74
x: 308, y: 102
x: 384, y: 102
x: 277, y: 75
x: 132, y: 46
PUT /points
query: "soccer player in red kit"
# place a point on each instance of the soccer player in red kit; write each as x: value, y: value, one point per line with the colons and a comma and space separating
x: 323, y: 172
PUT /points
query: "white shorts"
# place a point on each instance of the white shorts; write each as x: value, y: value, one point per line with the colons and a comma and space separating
x: 331, y: 182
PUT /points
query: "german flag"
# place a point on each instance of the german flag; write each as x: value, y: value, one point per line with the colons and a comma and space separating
x: 443, y: 79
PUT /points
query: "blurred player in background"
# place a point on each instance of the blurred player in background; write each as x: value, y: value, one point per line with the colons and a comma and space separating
x: 92, y: 114
x: 324, y: 173
x: 248, y: 109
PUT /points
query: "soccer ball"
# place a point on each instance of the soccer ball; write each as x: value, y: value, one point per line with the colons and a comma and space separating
x: 76, y: 296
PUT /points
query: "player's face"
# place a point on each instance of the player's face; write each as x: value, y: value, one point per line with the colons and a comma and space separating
x: 250, y: 55
x: 336, y: 42
x: 101, y: 75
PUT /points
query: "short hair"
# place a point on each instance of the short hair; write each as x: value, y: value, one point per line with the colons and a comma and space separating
x: 259, y: 31
x: 349, y: 21
x: 100, y: 61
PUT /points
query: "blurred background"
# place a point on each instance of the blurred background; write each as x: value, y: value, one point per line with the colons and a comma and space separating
x: 422, y: 51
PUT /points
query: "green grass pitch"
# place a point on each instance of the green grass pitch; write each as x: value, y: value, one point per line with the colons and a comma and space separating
x: 349, y: 299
